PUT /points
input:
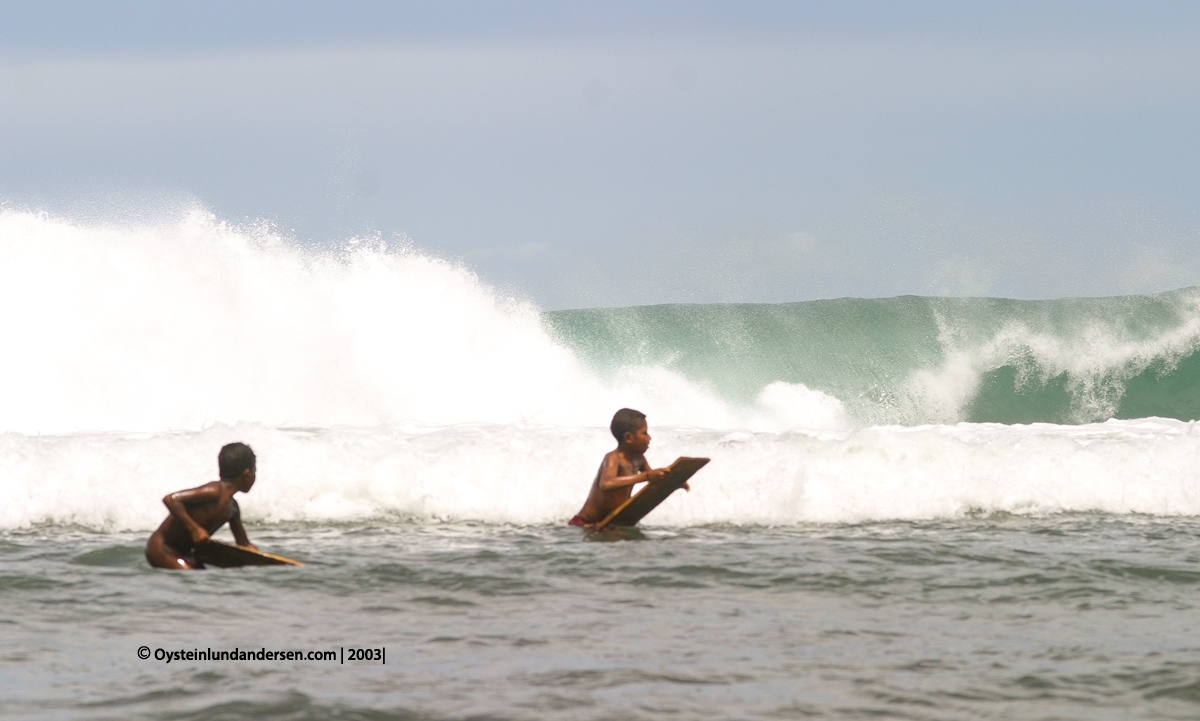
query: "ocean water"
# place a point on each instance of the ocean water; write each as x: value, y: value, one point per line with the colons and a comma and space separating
x: 919, y: 508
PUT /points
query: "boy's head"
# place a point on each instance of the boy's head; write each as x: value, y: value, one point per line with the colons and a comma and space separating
x: 625, y: 421
x: 234, y: 460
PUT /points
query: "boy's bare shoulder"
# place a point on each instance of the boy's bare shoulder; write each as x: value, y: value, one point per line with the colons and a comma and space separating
x: 199, y: 494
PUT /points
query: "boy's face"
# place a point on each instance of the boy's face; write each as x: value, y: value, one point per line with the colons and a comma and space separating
x: 638, y: 440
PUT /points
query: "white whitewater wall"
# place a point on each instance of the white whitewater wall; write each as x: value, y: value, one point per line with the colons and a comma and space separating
x: 530, y: 474
x: 176, y: 325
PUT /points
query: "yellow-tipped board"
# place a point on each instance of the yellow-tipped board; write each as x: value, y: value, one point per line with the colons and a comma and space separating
x: 654, y: 493
x: 224, y: 555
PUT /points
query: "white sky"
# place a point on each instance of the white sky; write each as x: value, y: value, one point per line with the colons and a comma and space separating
x: 624, y: 153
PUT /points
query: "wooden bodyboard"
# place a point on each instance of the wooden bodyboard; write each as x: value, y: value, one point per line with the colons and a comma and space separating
x: 654, y: 493
x: 224, y: 555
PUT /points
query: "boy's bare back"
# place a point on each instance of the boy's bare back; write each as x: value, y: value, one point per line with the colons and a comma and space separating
x: 209, y: 506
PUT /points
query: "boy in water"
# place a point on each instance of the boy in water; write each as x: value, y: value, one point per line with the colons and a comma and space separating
x: 197, y: 512
x: 620, y: 470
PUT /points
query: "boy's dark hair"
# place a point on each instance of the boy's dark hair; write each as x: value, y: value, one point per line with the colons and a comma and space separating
x: 235, y: 458
x: 625, y: 421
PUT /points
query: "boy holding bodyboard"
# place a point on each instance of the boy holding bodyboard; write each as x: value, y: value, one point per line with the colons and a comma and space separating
x: 183, y: 541
x: 609, y: 500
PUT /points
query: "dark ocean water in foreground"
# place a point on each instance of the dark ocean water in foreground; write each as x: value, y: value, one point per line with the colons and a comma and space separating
x: 1000, y: 617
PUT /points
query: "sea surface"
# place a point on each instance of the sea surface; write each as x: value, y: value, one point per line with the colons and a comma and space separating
x: 1077, y: 616
x: 917, y: 508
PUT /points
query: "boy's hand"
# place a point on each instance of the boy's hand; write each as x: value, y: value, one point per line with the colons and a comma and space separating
x: 250, y: 546
x: 199, y: 535
x: 656, y: 474
x: 686, y: 487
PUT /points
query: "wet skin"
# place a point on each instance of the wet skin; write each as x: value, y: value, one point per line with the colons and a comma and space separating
x: 619, y: 472
x: 195, y: 514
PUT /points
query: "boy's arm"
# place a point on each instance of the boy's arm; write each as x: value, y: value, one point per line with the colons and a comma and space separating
x: 239, y: 531
x: 612, y: 466
x: 177, y: 502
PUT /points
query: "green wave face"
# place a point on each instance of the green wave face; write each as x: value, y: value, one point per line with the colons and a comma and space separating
x: 912, y: 360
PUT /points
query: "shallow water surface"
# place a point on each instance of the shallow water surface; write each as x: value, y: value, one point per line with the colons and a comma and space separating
x: 1060, y: 617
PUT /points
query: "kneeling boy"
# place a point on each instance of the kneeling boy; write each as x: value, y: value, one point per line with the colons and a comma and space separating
x: 621, y: 469
x: 197, y: 512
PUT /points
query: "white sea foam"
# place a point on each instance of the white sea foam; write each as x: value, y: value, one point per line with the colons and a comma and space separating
x: 1145, y: 466
x: 176, y: 325
x: 531, y: 474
